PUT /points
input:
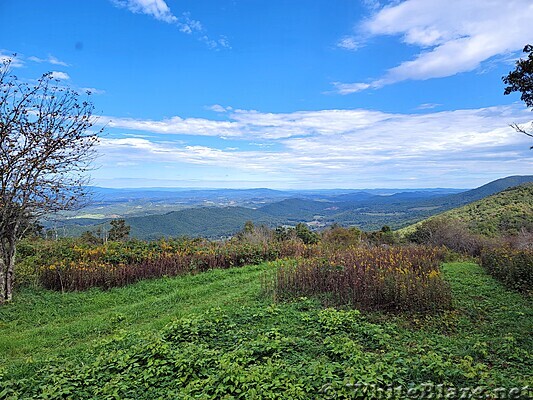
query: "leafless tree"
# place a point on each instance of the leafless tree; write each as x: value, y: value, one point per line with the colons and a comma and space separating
x: 46, y: 147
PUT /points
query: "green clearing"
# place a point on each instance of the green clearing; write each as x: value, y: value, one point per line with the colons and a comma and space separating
x: 249, y: 345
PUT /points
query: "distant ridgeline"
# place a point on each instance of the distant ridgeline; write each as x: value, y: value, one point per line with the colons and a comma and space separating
x: 154, y: 214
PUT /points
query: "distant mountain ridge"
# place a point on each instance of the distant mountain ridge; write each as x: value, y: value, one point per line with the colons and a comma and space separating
x: 320, y: 208
x: 488, y: 189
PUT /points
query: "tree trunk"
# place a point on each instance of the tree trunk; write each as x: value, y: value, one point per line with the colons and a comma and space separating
x: 3, y: 273
x: 7, y: 267
x: 10, y: 272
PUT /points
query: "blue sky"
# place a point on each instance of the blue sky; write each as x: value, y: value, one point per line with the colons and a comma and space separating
x: 287, y: 94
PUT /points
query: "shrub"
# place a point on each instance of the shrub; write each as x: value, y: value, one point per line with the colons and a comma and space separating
x: 450, y: 233
x: 523, y: 240
x: 384, y: 236
x: 338, y: 237
x: 513, y: 267
x: 254, y: 234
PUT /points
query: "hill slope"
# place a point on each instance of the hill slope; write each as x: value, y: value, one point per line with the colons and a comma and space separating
x: 208, y: 222
x: 296, y: 209
x: 456, y: 200
x: 504, y: 213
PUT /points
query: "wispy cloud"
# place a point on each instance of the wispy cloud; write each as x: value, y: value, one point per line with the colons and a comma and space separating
x: 218, y: 108
x: 50, y: 60
x: 372, y: 4
x: 453, y: 36
x: 348, y: 43
x: 188, y: 25
x: 348, y: 88
x: 428, y: 106
x: 92, y: 90
x: 20, y: 60
x: 160, y: 10
x: 331, y: 148
x: 253, y: 124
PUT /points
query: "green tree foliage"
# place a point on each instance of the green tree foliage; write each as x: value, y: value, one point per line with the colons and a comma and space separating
x: 254, y: 234
x: 304, y: 233
x: 283, y: 233
x: 248, y: 227
x: 119, y: 230
x: 384, y: 236
x: 300, y: 231
x: 89, y: 237
x: 521, y: 80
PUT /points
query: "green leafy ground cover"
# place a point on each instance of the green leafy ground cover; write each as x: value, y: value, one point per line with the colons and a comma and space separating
x: 214, y: 335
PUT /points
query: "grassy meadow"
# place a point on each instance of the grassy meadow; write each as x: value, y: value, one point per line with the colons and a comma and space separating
x: 218, y: 335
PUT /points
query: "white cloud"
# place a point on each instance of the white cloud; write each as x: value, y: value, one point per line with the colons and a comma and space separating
x: 14, y: 60
x: 348, y: 88
x: 50, y: 59
x: 176, y: 125
x: 251, y: 124
x: 428, y: 106
x: 188, y: 25
x: 155, y: 8
x: 218, y: 108
x: 454, y: 36
x: 340, y: 148
x: 348, y: 43
x: 160, y: 10
x: 371, y: 4
x: 224, y: 42
x: 92, y: 90
x: 59, y: 75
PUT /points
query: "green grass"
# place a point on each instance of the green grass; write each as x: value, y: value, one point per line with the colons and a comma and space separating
x: 291, y: 350
x: 41, y: 324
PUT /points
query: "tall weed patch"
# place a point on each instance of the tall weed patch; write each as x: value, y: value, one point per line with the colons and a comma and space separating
x: 118, y: 264
x: 393, y: 278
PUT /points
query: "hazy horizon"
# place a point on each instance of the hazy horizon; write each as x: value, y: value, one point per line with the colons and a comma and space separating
x: 131, y: 184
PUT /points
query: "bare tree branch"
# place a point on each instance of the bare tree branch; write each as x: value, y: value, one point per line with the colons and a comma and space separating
x: 46, y: 149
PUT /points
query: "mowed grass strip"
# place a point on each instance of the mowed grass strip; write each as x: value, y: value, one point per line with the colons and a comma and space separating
x: 41, y: 323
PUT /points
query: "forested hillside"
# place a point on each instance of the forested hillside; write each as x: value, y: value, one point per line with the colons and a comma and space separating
x: 506, y: 212
x: 502, y: 214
